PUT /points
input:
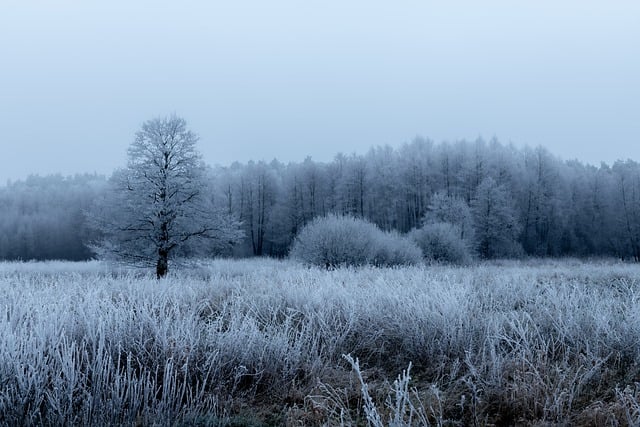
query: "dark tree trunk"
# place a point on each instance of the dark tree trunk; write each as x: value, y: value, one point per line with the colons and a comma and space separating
x: 162, y: 267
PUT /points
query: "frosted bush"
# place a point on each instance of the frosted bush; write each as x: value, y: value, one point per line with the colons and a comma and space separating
x: 393, y: 249
x: 441, y: 242
x: 334, y: 241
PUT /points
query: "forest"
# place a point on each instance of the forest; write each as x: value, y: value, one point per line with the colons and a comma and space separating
x: 557, y: 207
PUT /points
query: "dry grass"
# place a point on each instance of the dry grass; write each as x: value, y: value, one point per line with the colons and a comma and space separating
x: 262, y: 342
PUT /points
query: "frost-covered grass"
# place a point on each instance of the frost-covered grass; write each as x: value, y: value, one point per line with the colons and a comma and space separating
x: 262, y: 342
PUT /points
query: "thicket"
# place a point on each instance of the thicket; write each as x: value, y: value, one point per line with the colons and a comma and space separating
x: 338, y: 241
x: 441, y: 242
x: 262, y: 342
x: 392, y: 249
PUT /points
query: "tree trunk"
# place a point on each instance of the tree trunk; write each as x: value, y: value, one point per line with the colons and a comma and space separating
x: 162, y: 267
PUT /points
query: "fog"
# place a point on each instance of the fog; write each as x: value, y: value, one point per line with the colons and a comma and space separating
x: 281, y: 79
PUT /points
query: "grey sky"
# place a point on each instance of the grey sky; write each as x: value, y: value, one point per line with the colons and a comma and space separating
x: 258, y: 80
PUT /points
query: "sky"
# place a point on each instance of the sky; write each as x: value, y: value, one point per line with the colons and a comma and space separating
x: 258, y: 80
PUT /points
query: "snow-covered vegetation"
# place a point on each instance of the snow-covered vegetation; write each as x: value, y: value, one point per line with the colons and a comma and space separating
x: 262, y: 341
x: 508, y: 201
x: 335, y: 241
x: 159, y: 204
x: 441, y: 242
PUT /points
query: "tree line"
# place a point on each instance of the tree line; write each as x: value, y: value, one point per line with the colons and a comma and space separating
x: 553, y: 207
x: 550, y: 206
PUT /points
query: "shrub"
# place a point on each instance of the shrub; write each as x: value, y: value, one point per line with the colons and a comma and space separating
x: 452, y: 210
x: 441, y: 242
x: 393, y: 249
x: 334, y: 241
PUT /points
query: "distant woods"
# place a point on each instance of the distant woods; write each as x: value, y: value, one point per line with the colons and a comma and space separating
x: 526, y: 197
x: 42, y: 217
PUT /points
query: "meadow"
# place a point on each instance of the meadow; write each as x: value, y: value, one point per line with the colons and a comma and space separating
x: 266, y: 342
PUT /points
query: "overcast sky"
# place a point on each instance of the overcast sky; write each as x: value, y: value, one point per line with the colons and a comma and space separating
x: 265, y: 79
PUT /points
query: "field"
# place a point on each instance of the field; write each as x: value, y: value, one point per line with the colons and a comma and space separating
x: 263, y: 342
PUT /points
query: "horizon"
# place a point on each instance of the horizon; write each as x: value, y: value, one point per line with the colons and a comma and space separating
x: 107, y: 174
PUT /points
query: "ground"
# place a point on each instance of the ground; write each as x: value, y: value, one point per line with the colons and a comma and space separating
x: 264, y: 342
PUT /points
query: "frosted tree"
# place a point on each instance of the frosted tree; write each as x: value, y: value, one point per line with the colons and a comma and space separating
x: 259, y: 187
x: 543, y: 211
x: 416, y: 169
x: 452, y: 210
x: 496, y: 224
x: 156, y: 207
x: 311, y: 189
x: 627, y: 182
x: 352, y: 185
x: 384, y: 192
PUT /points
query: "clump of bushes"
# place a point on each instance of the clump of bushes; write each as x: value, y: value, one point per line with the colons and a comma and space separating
x: 334, y: 241
x: 392, y: 249
x: 442, y: 242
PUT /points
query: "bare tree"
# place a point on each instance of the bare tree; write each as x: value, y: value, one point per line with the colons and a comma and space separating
x: 496, y: 224
x: 157, y: 206
x: 627, y: 181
